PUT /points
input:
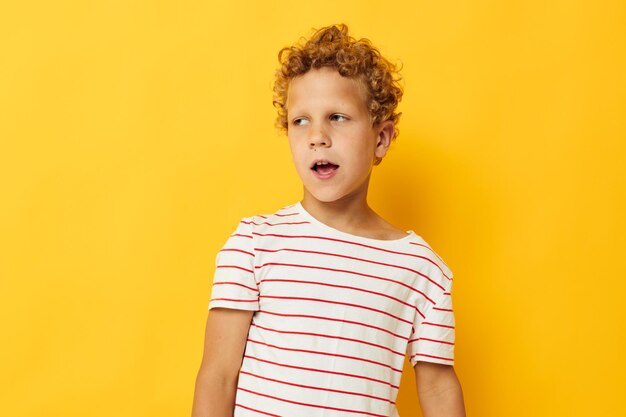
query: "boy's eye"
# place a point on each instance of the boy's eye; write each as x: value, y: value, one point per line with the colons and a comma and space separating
x: 338, y: 117
x: 299, y: 121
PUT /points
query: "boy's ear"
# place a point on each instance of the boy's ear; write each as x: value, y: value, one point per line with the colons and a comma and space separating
x: 386, y: 131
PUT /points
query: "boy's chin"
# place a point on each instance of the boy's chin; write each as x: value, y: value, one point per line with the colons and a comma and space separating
x: 323, y: 197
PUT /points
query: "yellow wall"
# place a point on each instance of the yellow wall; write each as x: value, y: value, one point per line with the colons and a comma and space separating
x: 135, y: 135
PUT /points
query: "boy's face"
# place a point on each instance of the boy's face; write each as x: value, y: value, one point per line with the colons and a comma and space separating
x: 328, y: 119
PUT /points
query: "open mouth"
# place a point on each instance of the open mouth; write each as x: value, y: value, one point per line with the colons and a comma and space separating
x: 324, y: 167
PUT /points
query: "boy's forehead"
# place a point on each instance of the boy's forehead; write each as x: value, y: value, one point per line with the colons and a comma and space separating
x: 325, y: 85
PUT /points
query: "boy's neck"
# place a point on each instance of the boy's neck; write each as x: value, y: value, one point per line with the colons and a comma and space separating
x: 349, y: 215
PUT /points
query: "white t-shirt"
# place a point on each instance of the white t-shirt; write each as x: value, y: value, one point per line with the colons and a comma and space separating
x: 335, y: 314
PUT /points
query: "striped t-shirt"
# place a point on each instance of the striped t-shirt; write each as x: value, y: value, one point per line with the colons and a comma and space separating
x: 335, y: 315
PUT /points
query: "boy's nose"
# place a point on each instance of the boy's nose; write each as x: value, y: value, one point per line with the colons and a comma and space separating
x: 318, y: 138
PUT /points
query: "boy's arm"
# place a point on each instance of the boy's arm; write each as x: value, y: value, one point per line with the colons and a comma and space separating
x: 224, y: 345
x: 439, y: 390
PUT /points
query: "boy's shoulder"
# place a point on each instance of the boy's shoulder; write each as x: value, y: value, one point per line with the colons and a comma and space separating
x: 431, y: 260
x: 283, y: 215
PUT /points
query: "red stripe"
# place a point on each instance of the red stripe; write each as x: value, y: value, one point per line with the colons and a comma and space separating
x: 431, y: 356
x: 240, y: 235
x: 438, y: 324
x: 347, y: 272
x: 313, y: 405
x: 350, y: 257
x: 337, y: 302
x: 449, y: 310
x: 234, y: 299
x: 430, y: 249
x: 235, y: 283
x: 330, y: 337
x: 236, y: 250
x: 285, y: 215
x: 274, y: 224
x: 236, y: 266
x: 347, y: 287
x: 334, y: 319
x: 327, y: 354
x: 323, y: 371
x: 278, y: 214
x: 431, y: 340
x: 256, y: 411
x: 317, y: 388
x: 363, y: 245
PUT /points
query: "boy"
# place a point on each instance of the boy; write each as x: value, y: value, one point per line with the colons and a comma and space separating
x: 313, y: 307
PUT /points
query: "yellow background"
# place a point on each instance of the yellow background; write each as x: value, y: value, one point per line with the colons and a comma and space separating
x: 135, y: 135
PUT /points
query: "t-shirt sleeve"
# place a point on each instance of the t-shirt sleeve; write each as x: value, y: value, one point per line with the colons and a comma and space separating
x: 234, y: 284
x: 433, y: 336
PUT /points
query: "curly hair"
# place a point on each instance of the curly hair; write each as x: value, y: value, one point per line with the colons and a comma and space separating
x: 332, y: 46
